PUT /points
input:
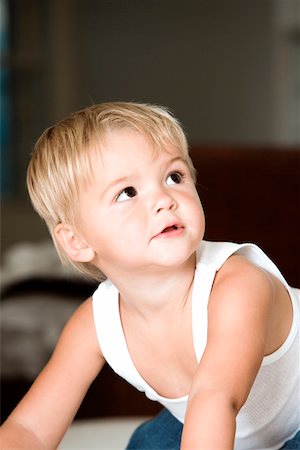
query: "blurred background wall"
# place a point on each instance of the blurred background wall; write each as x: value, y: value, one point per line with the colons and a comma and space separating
x: 230, y: 70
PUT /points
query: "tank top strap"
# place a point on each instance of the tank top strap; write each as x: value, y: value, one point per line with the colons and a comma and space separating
x: 203, y: 282
x: 214, y: 254
x: 108, y: 329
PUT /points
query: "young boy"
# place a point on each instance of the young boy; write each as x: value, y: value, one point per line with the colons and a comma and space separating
x: 210, y: 330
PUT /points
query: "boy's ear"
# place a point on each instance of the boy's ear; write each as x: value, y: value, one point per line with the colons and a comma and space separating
x: 75, y: 247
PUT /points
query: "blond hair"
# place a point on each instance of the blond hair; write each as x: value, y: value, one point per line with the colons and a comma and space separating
x: 61, y: 158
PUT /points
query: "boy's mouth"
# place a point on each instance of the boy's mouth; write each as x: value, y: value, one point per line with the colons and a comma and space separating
x: 170, y: 230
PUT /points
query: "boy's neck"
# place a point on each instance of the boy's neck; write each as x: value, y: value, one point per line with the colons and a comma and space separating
x: 149, y: 294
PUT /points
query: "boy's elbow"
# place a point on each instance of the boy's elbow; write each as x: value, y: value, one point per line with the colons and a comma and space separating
x: 216, y: 398
x: 210, y: 420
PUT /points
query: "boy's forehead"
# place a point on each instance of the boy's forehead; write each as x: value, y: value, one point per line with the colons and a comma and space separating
x: 114, y: 157
x: 116, y: 144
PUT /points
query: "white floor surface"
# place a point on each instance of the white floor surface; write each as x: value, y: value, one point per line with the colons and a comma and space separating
x: 100, y: 434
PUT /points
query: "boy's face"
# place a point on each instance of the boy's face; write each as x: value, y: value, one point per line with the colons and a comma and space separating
x: 140, y: 211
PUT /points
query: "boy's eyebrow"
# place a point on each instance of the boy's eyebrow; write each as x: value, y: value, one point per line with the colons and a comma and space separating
x: 115, y: 183
x: 178, y: 158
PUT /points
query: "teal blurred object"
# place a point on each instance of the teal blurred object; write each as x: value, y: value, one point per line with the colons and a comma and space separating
x: 5, y: 178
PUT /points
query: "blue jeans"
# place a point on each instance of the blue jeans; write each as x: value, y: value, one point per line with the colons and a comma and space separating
x: 163, y: 432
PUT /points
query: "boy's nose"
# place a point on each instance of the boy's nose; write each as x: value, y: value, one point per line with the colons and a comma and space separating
x: 164, y: 201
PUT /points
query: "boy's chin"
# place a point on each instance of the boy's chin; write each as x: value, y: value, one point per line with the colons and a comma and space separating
x: 174, y: 259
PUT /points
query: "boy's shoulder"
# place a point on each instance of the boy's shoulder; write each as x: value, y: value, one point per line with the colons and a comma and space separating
x: 80, y: 329
x: 242, y: 277
x: 239, y: 267
x: 239, y: 279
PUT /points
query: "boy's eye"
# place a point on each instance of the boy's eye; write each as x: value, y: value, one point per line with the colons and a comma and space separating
x: 174, y: 178
x: 126, y: 194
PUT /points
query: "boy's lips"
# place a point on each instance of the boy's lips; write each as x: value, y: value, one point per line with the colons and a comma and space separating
x: 172, y: 230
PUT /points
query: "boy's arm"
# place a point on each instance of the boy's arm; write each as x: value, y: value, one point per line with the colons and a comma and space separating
x: 238, y: 321
x: 43, y: 416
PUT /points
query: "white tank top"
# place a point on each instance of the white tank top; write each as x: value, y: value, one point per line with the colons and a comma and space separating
x: 271, y: 414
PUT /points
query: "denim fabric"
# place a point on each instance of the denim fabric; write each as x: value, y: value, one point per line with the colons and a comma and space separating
x: 293, y: 444
x: 163, y: 432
